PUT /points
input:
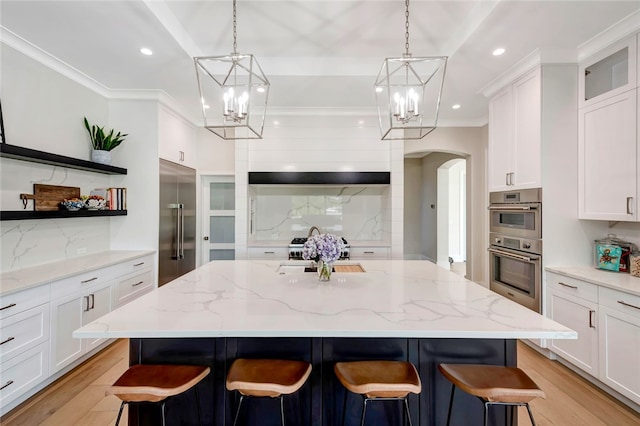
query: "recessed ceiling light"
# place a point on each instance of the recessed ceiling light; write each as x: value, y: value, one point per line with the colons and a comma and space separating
x: 260, y: 89
x: 361, y: 122
x: 276, y: 122
x: 456, y: 106
x: 378, y: 89
x: 205, y: 106
x: 146, y: 51
x: 499, y: 51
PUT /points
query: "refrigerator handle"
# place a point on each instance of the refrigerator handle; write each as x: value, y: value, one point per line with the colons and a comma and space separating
x: 176, y: 246
x: 181, y: 210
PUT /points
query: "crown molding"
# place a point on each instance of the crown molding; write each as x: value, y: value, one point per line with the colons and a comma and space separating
x: 621, y: 29
x: 525, y: 64
x: 37, y: 54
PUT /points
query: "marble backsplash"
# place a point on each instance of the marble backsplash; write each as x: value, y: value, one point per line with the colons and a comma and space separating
x: 26, y: 243
x: 357, y: 213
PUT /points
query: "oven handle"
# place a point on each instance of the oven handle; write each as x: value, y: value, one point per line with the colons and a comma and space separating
x: 513, y: 208
x: 527, y: 259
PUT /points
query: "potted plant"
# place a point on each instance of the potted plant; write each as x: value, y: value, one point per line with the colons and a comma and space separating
x: 102, y: 143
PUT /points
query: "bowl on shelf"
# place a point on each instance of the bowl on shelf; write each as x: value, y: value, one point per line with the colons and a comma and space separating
x: 73, y: 204
x: 95, y: 203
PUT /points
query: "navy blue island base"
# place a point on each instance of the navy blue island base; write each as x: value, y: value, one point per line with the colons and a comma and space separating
x: 320, y: 401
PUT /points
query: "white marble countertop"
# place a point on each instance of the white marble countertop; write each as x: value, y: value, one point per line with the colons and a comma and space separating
x: 393, y: 298
x: 22, y: 279
x: 614, y: 280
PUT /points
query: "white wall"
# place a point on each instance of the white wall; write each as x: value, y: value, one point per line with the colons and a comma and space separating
x: 43, y: 110
x: 412, y: 208
x: 471, y: 143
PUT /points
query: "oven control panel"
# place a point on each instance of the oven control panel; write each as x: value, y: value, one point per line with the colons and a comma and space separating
x: 514, y: 243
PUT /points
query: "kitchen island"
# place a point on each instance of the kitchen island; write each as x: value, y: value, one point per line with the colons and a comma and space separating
x: 406, y: 310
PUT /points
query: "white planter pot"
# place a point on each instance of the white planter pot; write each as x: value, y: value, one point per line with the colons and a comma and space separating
x: 102, y: 157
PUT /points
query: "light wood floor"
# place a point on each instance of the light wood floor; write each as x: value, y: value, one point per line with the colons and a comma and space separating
x: 78, y: 398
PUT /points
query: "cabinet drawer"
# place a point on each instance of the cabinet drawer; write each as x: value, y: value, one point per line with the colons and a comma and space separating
x: 275, y: 253
x: 81, y: 282
x: 134, y: 265
x: 21, y: 373
x: 21, y: 301
x: 129, y: 288
x: 24, y: 330
x: 573, y: 287
x: 620, y: 301
x: 369, y: 253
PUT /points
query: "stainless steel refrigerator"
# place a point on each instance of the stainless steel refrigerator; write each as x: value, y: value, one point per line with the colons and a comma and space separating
x: 177, y: 245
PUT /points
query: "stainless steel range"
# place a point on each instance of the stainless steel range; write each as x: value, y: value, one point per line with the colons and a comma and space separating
x: 295, y: 249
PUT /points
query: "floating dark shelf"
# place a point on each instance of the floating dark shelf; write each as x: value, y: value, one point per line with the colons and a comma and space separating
x: 35, y: 156
x: 58, y: 214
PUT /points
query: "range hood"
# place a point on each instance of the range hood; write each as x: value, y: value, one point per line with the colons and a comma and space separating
x: 319, y: 178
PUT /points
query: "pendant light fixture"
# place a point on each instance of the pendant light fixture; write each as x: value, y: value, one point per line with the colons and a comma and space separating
x: 233, y: 93
x: 408, y: 91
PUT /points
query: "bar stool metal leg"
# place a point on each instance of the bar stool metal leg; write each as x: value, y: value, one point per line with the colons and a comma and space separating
x: 406, y: 408
x: 120, y: 413
x: 364, y: 411
x: 281, y: 409
x: 235, y: 420
x: 162, y: 410
x: 453, y: 390
x: 533, y: 422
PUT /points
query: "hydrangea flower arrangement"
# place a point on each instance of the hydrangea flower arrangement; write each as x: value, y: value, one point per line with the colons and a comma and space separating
x: 324, y: 247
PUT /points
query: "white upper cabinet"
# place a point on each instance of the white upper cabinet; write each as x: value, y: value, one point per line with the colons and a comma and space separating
x: 608, y: 73
x: 514, y: 135
x: 177, y: 138
x: 608, y: 159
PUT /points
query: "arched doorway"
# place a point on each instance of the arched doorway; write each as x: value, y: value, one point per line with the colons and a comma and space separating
x: 451, y: 215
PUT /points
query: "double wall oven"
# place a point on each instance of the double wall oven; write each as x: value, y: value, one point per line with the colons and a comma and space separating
x: 515, y: 246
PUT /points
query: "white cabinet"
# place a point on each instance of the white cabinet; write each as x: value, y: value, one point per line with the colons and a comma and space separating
x: 132, y: 286
x: 608, y: 73
x: 24, y: 341
x: 514, y: 135
x: 573, y: 303
x: 620, y: 342
x: 608, y: 159
x: 608, y: 326
x: 72, y: 312
x: 271, y: 253
x: 361, y: 253
x: 177, y: 138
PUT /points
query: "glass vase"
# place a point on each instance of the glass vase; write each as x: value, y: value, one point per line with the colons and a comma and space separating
x: 324, y: 270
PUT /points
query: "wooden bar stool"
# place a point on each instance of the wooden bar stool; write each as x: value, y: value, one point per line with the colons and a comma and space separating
x: 147, y: 383
x: 266, y: 378
x: 378, y: 381
x: 493, y: 384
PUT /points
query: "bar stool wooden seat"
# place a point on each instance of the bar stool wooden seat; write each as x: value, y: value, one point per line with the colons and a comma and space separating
x: 378, y: 381
x: 266, y: 378
x: 493, y: 384
x: 152, y: 383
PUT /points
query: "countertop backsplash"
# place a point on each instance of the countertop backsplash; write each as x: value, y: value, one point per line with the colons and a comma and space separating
x: 357, y: 213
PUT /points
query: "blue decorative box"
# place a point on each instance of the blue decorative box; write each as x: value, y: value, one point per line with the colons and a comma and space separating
x: 608, y: 257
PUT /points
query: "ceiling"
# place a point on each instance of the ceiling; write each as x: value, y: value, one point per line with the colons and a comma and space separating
x: 320, y: 56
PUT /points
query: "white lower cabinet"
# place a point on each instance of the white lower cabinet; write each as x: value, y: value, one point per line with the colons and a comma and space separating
x: 271, y: 253
x: 23, y: 372
x: 608, y: 325
x: 620, y: 342
x: 579, y: 315
x: 359, y: 253
x: 36, y: 324
x: 70, y: 313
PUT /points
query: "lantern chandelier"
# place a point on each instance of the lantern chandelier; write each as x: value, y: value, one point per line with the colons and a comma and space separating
x: 408, y: 91
x: 233, y: 93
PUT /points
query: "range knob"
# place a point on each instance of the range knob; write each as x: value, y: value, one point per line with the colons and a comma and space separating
x: 526, y: 245
x: 498, y: 240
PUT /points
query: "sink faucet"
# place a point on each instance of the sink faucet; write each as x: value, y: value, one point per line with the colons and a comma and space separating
x: 313, y: 228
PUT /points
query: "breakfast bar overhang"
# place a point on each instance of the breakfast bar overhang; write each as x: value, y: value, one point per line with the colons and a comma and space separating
x: 400, y: 310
